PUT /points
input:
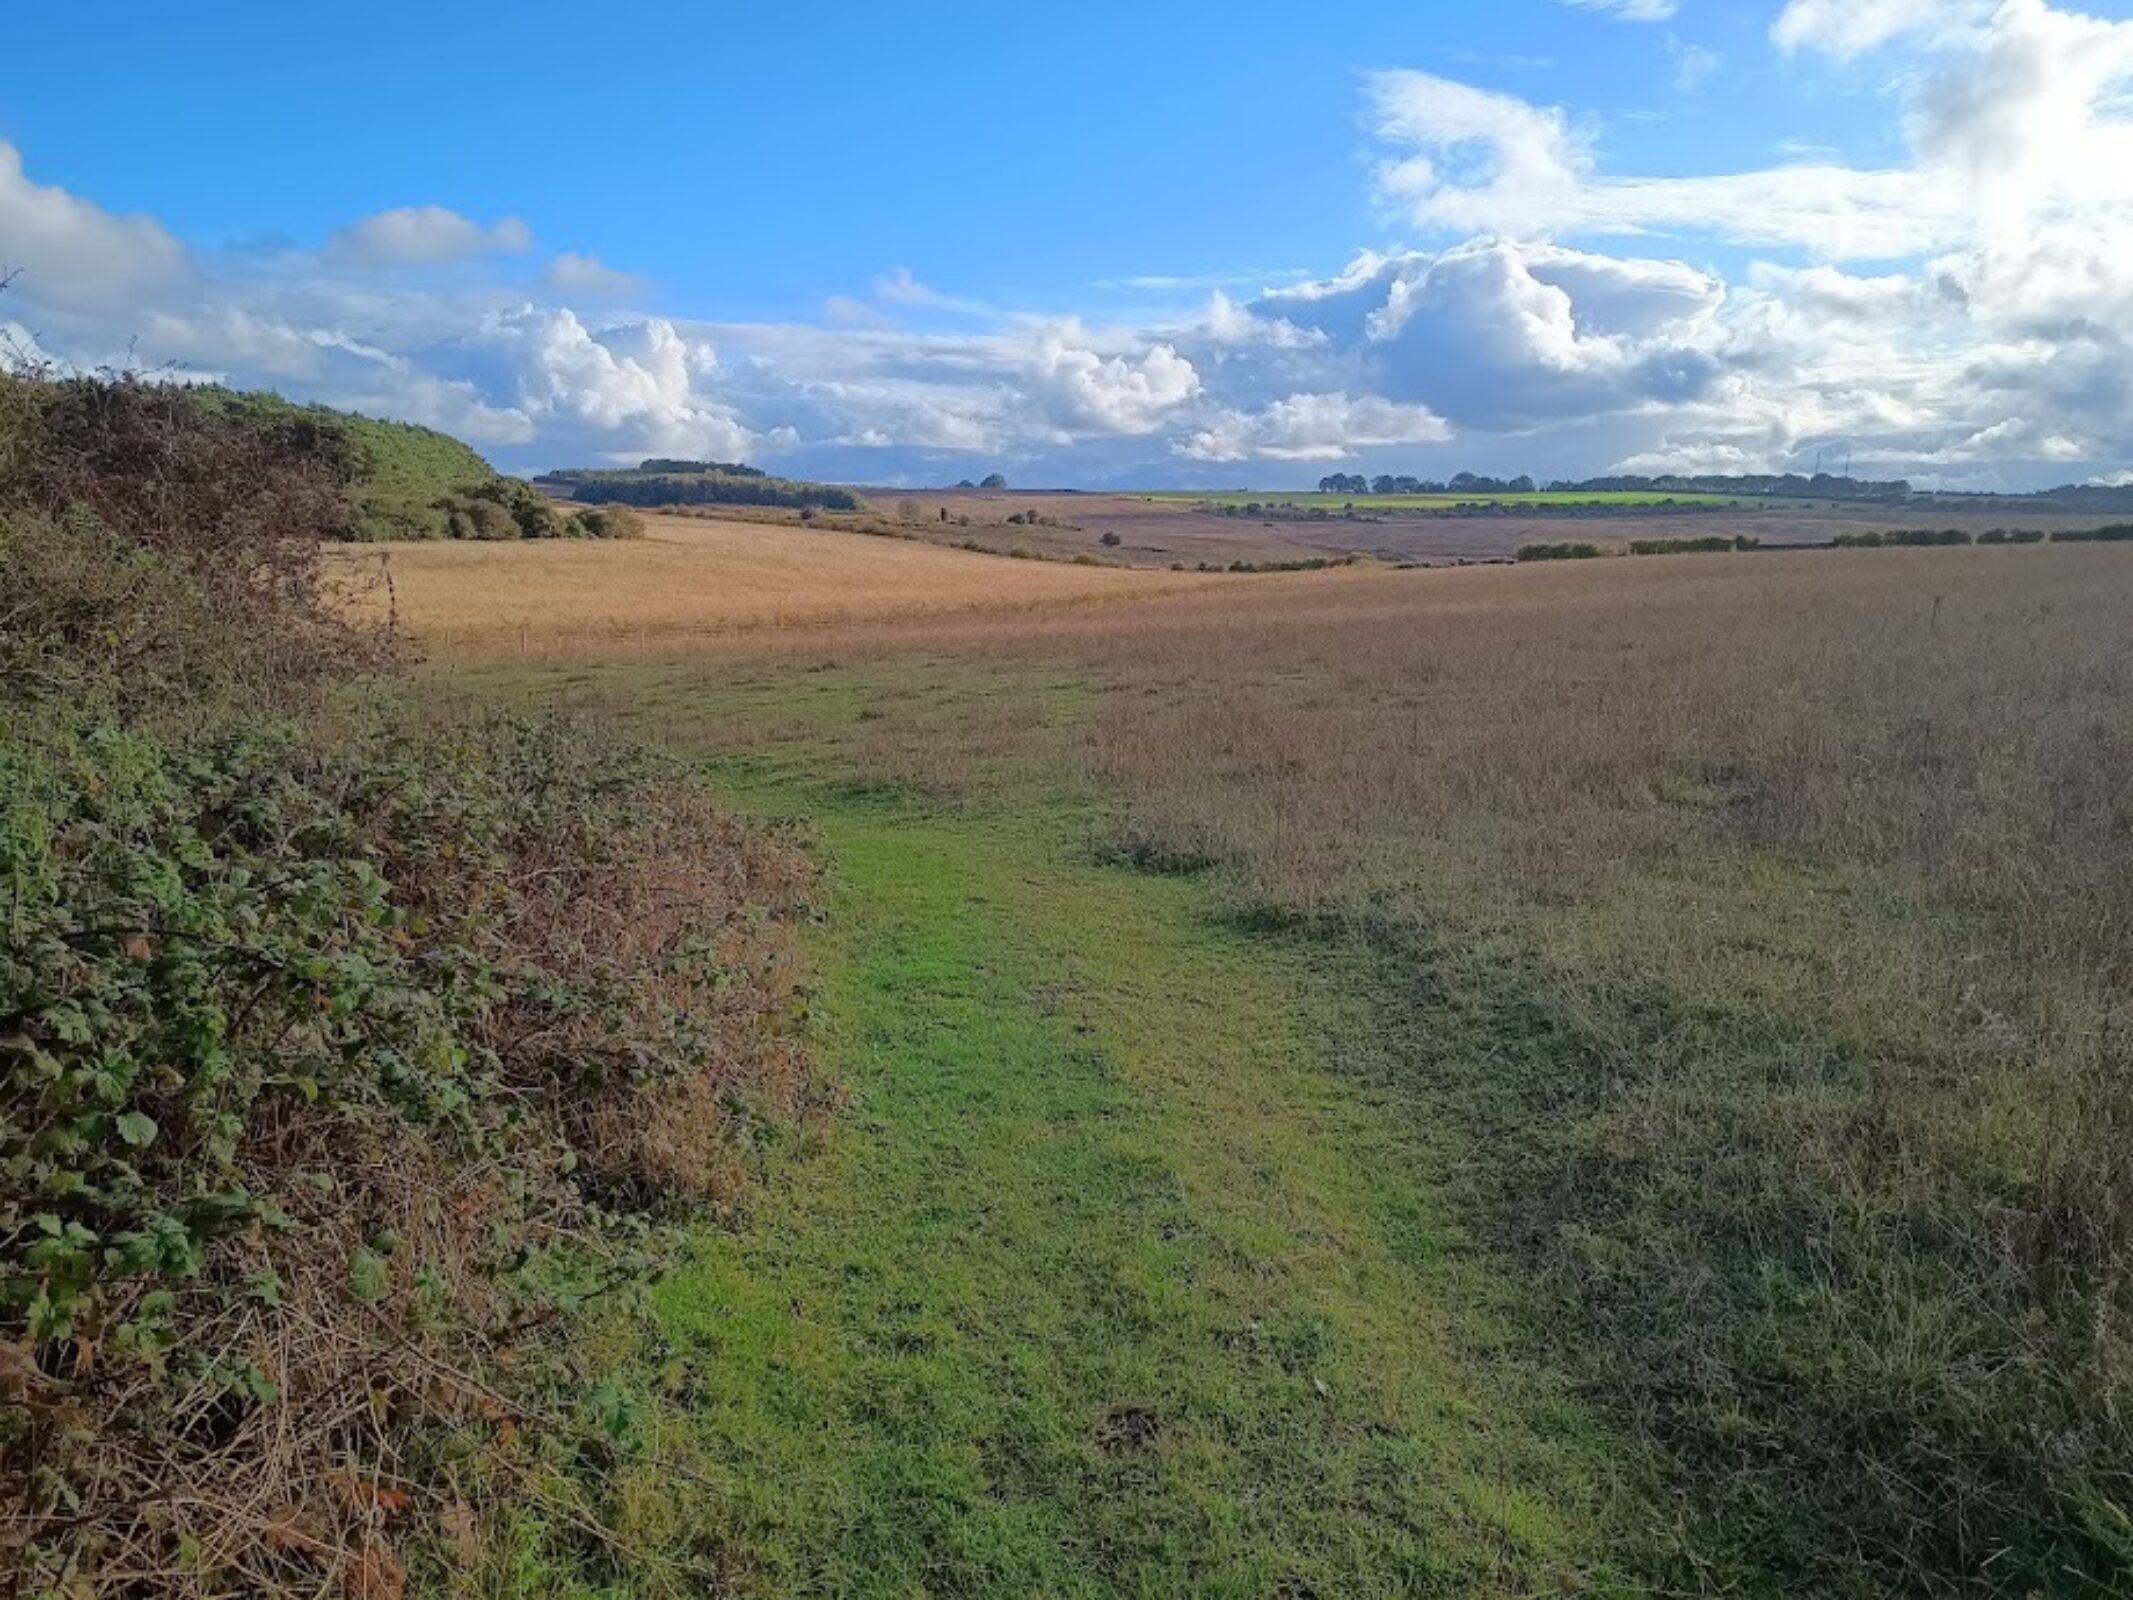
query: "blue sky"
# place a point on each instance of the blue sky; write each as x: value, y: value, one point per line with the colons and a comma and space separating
x: 900, y: 245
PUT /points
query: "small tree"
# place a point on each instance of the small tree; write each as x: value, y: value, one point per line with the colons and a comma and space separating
x: 1110, y: 539
x: 992, y: 480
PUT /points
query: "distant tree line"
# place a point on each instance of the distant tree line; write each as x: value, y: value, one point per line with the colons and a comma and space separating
x: 1788, y: 485
x: 732, y: 469
x: 1870, y: 539
x: 1781, y: 485
x: 660, y: 482
x: 1388, y: 483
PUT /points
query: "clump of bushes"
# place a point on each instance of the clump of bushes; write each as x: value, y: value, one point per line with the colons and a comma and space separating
x: 1683, y: 547
x: 1558, y: 552
x: 344, y: 1049
x: 510, y: 508
x: 1914, y: 538
x: 2011, y: 536
x: 2115, y: 533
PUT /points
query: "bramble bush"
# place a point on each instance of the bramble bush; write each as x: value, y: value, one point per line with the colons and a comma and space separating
x: 343, y: 1048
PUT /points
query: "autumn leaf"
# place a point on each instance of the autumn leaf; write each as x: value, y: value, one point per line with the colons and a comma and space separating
x: 461, y: 1532
x: 375, y: 1574
x: 287, y: 1528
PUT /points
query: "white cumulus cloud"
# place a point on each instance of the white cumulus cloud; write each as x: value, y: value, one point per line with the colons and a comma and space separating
x: 1312, y: 427
x: 423, y: 236
x: 1086, y: 391
x: 627, y: 389
x: 73, y: 255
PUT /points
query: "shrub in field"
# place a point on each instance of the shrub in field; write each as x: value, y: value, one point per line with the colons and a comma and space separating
x: 2011, y: 536
x: 1682, y: 547
x: 2115, y: 533
x: 609, y: 522
x: 510, y: 508
x: 1558, y: 552
x: 1922, y: 538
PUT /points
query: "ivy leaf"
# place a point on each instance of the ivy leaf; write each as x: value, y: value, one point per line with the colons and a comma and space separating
x: 137, y: 1128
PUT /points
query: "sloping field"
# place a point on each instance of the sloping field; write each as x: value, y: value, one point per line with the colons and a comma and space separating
x: 1155, y: 529
x: 690, y: 577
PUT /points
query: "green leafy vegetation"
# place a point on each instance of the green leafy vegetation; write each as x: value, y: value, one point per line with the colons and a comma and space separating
x: 401, y: 469
x: 395, y: 480
x: 345, y: 1049
x: 1559, y: 552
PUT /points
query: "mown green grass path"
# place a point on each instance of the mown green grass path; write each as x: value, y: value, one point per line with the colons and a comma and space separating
x: 1113, y: 1280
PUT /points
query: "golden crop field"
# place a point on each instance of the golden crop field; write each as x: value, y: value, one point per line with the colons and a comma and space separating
x: 692, y: 578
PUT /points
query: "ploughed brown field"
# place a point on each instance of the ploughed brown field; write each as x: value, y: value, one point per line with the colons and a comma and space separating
x: 1159, y: 532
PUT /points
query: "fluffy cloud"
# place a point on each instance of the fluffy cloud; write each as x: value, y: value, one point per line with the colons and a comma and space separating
x: 1086, y: 391
x: 409, y: 236
x: 1496, y: 335
x: 2022, y: 123
x: 1846, y: 28
x: 573, y: 273
x: 73, y: 255
x: 1476, y: 161
x: 1312, y: 427
x: 633, y: 386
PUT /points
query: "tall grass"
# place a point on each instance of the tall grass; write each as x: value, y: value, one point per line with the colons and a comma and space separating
x: 1829, y: 878
x: 1758, y: 936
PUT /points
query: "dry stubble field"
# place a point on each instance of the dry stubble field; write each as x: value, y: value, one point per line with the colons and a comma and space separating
x: 692, y: 577
x: 1756, y: 933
